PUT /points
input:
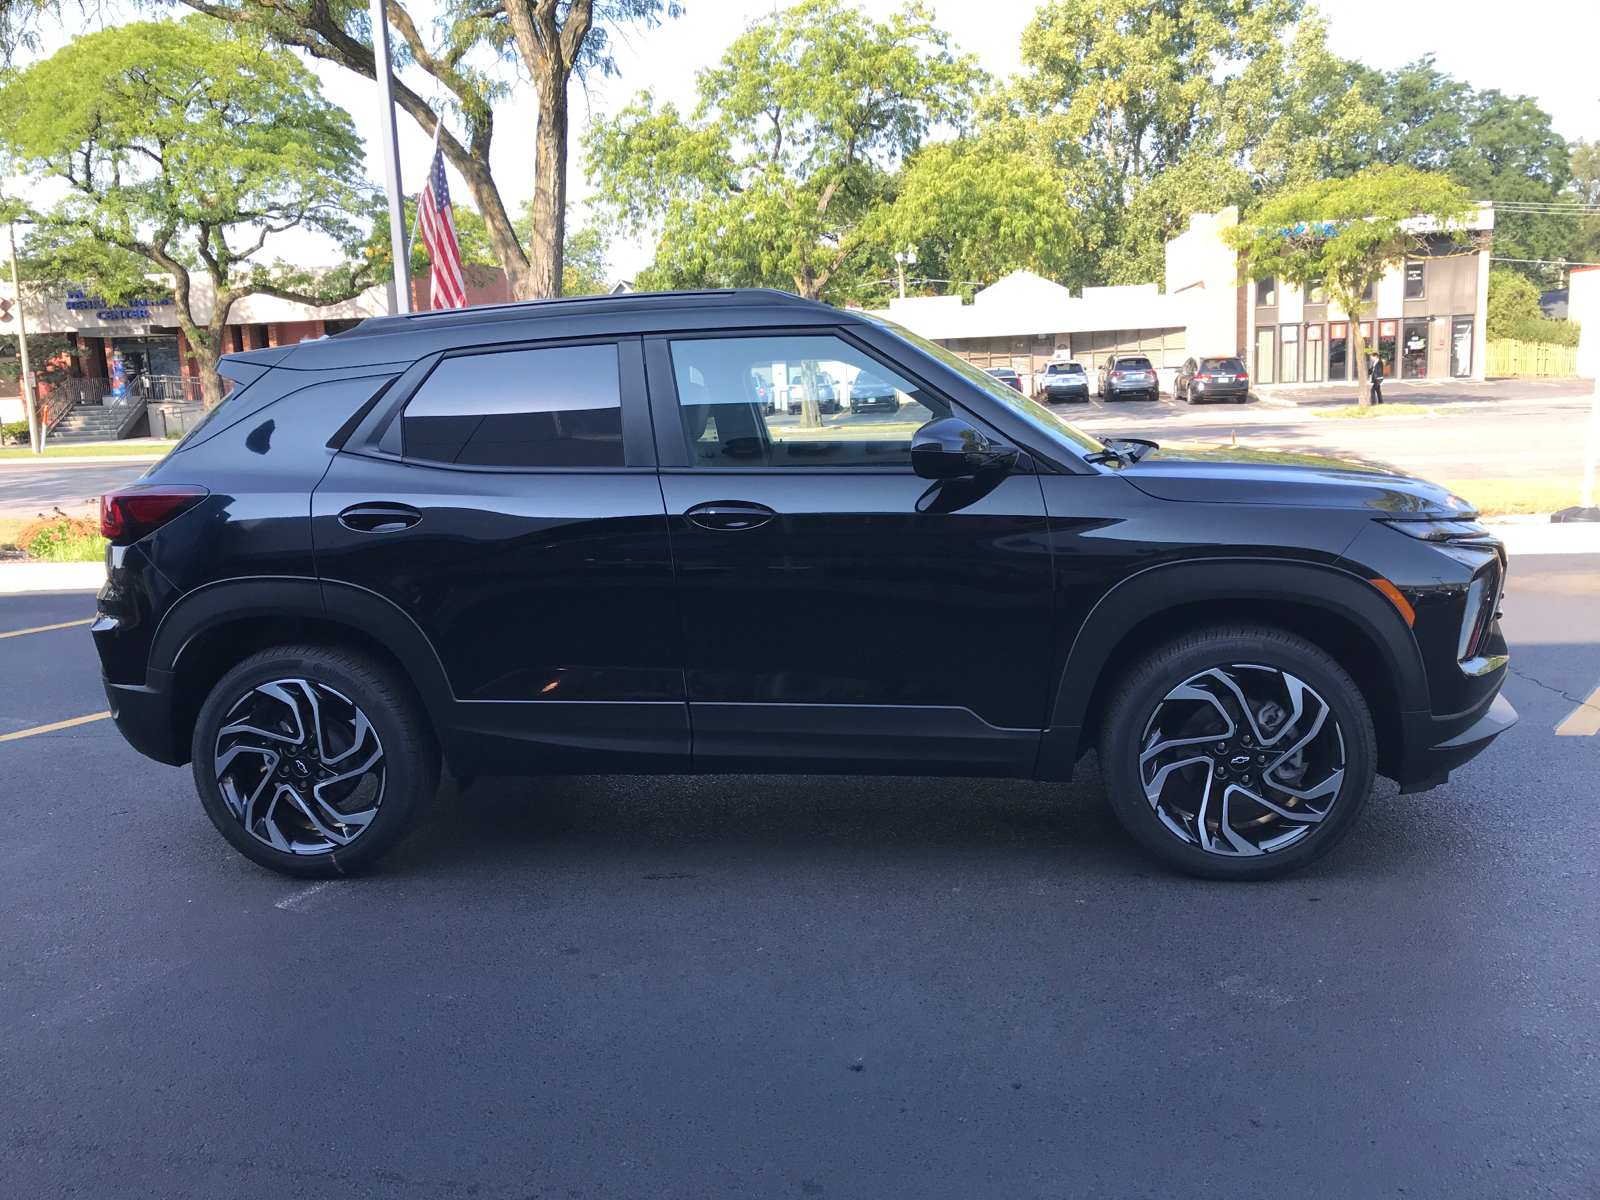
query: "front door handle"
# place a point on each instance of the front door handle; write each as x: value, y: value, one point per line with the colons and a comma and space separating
x: 730, y: 514
x: 381, y: 516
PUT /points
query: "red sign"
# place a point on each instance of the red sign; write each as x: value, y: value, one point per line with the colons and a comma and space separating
x: 1339, y: 332
x: 1313, y: 333
x: 1387, y: 328
x: 1366, y: 331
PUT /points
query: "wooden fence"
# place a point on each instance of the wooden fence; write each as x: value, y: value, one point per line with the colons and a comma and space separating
x: 1531, y: 358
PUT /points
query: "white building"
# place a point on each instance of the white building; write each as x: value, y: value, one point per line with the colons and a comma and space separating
x: 1425, y: 318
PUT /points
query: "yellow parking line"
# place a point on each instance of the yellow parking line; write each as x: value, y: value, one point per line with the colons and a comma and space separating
x: 46, y: 628
x: 1585, y: 719
x: 53, y: 726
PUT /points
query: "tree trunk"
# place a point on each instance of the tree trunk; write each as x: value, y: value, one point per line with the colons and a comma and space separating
x: 1358, y: 356
x: 549, y: 208
x: 810, y: 411
x: 205, y: 346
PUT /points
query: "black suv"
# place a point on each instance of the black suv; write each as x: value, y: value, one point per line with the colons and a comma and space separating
x: 561, y: 537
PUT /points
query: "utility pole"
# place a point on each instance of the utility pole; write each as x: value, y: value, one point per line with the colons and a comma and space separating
x: 389, y: 138
x: 901, y: 258
x: 29, y: 397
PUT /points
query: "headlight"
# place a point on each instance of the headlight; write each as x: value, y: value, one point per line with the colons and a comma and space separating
x: 1457, y: 532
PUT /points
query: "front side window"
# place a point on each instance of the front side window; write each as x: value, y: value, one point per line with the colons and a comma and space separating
x: 838, y: 408
x: 1035, y: 414
x: 555, y: 407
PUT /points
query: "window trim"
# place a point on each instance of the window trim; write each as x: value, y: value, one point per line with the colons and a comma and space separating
x: 379, y: 436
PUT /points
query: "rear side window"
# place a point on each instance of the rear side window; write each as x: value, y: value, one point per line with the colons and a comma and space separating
x: 555, y: 407
x: 1224, y: 365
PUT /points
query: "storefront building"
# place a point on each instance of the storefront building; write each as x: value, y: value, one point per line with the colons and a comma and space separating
x: 1424, y: 319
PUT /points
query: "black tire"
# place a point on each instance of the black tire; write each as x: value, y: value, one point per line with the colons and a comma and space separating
x: 1183, y: 824
x: 391, y: 774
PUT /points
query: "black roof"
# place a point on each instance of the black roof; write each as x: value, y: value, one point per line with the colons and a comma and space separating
x: 566, y: 306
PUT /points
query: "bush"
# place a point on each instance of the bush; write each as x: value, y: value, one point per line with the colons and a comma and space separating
x: 62, y: 539
x: 1514, y: 312
x: 16, y: 431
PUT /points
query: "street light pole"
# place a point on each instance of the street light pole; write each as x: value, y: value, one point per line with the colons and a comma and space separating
x: 901, y: 258
x: 389, y: 139
x: 29, y: 398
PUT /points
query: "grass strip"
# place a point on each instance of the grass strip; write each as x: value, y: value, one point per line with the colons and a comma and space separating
x: 91, y: 451
x: 1513, y: 497
x: 1354, y: 412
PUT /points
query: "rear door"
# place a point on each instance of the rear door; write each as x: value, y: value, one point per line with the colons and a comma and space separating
x: 505, y: 499
x: 834, y: 619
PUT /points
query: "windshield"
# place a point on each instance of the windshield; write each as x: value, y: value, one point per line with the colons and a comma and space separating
x: 1036, y: 414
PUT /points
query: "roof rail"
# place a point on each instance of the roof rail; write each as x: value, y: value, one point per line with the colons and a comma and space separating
x: 563, y: 306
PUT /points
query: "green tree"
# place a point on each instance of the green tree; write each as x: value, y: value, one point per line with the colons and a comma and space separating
x: 1502, y: 148
x: 1161, y: 209
x: 1584, y: 189
x: 1514, y: 312
x: 1346, y: 233
x: 182, y: 147
x: 776, y: 177
x: 975, y: 211
x: 551, y: 40
x: 50, y: 355
x: 585, y: 263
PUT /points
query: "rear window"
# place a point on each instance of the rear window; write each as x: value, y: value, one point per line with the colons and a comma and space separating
x: 1224, y: 365
x: 999, y: 372
x: 1133, y: 364
x: 1070, y: 368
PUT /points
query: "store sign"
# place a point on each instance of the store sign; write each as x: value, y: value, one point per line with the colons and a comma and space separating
x: 1387, y: 328
x: 133, y: 310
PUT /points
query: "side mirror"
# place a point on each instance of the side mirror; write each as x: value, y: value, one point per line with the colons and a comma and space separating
x: 950, y: 449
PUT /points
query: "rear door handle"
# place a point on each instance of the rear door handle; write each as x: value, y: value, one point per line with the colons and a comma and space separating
x: 730, y: 514
x: 380, y: 516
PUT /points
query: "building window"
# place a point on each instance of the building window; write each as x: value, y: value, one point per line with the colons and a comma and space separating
x: 1313, y: 353
x: 1315, y: 292
x: 1289, y: 344
x: 1266, y: 292
x: 1414, y: 350
x: 1338, y: 349
x: 1366, y: 292
x: 1414, y: 288
x: 1264, y: 347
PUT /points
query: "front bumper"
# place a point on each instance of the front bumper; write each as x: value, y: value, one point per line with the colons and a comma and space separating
x: 1439, y: 750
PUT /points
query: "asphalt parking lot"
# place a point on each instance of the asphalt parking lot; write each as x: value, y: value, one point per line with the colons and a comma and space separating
x: 706, y: 987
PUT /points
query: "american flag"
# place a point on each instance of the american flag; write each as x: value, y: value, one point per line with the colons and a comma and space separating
x: 446, y: 289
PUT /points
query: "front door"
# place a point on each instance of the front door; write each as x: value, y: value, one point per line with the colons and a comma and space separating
x: 833, y: 619
x: 511, y: 511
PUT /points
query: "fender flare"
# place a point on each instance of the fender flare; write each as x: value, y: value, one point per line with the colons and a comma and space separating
x: 361, y: 610
x: 1172, y: 585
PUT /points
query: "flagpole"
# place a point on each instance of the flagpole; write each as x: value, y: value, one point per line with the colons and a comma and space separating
x: 390, y: 139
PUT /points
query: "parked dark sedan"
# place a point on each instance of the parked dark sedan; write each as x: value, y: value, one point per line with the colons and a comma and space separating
x: 1212, y: 379
x: 1126, y: 375
x: 1061, y: 381
x: 562, y: 538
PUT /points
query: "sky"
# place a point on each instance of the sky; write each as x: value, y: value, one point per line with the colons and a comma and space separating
x: 1548, y: 54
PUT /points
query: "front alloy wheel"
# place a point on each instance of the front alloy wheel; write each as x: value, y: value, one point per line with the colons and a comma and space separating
x: 1237, y: 753
x: 1242, y: 759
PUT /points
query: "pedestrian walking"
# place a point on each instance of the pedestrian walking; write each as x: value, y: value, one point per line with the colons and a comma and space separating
x: 1375, y: 374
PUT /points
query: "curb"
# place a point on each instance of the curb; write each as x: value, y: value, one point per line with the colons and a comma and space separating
x: 18, y: 578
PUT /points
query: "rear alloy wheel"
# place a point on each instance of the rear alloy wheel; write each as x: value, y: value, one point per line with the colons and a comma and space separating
x: 1238, y: 754
x: 312, y: 761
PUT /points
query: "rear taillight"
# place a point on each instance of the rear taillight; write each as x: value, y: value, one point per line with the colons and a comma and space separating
x: 128, y: 515
x: 1243, y: 378
x: 1202, y: 377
